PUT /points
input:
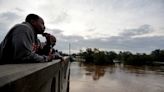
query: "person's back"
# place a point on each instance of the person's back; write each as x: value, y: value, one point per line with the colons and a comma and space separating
x: 11, y: 52
x: 19, y: 44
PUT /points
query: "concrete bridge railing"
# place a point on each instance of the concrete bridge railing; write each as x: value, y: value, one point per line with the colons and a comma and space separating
x: 35, y: 77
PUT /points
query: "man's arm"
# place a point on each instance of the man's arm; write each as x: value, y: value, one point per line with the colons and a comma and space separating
x: 22, y: 43
x: 46, y: 49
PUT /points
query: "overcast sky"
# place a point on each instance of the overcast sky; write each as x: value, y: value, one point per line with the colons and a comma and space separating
x: 112, y: 25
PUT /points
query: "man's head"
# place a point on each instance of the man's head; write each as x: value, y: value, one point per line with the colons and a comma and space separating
x: 36, y: 22
x: 50, y: 39
x: 53, y: 40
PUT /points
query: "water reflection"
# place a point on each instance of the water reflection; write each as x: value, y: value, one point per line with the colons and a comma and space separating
x: 143, y: 70
x: 93, y: 70
x: 116, y: 78
x: 97, y: 71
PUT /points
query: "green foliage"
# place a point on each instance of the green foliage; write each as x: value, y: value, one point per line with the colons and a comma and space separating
x: 158, y: 55
x: 103, y: 57
x: 138, y: 59
x: 98, y: 57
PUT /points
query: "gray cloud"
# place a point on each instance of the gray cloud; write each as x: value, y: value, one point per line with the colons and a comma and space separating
x: 55, y: 31
x: 61, y: 17
x: 6, y: 20
x: 144, y: 29
x: 134, y: 12
x: 9, y: 16
x: 92, y: 29
x: 143, y: 44
x: 123, y: 42
x: 2, y: 27
x: 64, y: 41
x: 19, y: 10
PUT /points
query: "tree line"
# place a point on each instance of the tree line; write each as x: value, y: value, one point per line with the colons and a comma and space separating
x: 96, y: 56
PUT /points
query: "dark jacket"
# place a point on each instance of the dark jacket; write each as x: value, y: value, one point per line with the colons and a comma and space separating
x: 18, y: 46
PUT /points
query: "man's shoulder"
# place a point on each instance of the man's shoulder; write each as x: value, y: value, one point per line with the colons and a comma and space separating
x: 23, y: 26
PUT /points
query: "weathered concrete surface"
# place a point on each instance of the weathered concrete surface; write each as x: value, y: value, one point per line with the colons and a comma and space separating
x: 35, y: 77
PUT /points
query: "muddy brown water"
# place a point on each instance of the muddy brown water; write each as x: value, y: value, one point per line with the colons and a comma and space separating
x: 116, y: 78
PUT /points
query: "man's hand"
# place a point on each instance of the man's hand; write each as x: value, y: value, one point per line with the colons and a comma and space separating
x: 50, y: 57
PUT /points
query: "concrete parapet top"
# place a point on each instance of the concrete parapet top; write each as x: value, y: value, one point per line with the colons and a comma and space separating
x: 12, y: 72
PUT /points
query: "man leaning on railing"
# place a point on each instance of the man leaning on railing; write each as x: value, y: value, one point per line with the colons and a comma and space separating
x: 21, y: 44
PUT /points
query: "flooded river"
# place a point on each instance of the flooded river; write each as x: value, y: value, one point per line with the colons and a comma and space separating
x: 116, y: 78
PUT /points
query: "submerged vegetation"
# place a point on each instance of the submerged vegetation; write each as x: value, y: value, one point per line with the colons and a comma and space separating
x: 96, y: 56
